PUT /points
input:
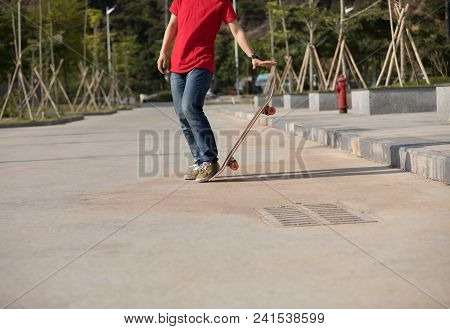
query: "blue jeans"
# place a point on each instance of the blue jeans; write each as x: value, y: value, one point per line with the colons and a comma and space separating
x: 188, y: 92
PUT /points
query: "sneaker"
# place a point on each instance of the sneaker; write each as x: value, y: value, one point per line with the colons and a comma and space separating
x: 207, y: 171
x: 192, y: 172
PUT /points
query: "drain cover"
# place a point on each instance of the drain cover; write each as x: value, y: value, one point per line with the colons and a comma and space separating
x: 300, y: 215
x: 288, y: 216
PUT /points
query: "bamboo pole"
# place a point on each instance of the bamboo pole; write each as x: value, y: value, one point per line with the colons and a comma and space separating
x: 311, y: 43
x: 88, y: 87
x: 352, y: 70
x: 412, y: 63
x: 52, y: 82
x: 13, y: 23
x: 352, y: 61
x: 319, y: 66
x: 304, y: 68
x: 40, y: 37
x: 416, y: 52
x: 311, y: 62
x: 273, y: 70
x: 85, y: 23
x: 33, y: 89
x: 52, y: 55
x: 63, y: 90
x: 19, y: 31
x: 402, y: 52
x: 391, y: 20
x: 340, y: 61
x: 47, y: 92
x: 84, y: 71
x: 24, y: 90
x: 342, y: 33
x: 333, y: 62
x: 413, y: 45
x: 283, y: 22
x: 10, y: 88
x: 391, y: 47
x: 285, y: 75
x: 272, y: 38
x: 106, y: 98
x: 395, y: 46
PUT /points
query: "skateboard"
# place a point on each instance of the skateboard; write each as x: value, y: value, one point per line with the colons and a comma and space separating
x: 230, y: 161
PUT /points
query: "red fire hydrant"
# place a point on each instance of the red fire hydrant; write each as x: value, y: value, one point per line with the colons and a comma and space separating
x: 341, y: 88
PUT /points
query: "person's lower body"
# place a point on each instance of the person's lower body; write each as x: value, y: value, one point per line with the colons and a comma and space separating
x: 188, y: 93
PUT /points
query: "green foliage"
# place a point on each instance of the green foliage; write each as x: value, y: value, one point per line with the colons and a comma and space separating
x: 127, y: 49
x: 138, y: 28
x: 6, y: 43
x: 96, y: 38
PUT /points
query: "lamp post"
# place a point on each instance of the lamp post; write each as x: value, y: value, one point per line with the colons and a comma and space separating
x: 108, y: 37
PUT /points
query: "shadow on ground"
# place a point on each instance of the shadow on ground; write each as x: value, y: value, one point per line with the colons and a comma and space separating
x: 361, y: 171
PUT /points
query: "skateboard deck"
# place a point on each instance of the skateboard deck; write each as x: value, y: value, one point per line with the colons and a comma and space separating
x: 230, y: 161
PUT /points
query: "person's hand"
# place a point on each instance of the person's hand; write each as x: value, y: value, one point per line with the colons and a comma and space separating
x: 162, y: 60
x: 257, y: 62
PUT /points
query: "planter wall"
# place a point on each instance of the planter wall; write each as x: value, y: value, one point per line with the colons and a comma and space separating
x: 277, y: 101
x: 300, y: 101
x: 394, y: 100
x: 326, y: 101
x: 443, y: 102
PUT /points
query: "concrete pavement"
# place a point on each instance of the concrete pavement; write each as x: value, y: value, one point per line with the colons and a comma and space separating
x: 82, y: 228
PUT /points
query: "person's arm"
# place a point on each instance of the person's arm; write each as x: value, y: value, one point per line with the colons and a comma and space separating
x: 241, y: 38
x: 169, y: 37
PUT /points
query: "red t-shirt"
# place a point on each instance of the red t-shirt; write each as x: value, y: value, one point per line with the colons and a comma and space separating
x: 199, y: 22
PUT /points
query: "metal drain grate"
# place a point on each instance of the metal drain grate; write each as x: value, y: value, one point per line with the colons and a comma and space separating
x: 312, y: 215
x: 334, y: 214
x: 288, y: 216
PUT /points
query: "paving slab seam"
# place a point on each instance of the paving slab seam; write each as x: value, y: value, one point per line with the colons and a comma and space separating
x: 396, y: 273
x: 418, y: 160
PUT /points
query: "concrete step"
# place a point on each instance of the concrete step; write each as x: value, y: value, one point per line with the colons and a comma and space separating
x: 421, y: 156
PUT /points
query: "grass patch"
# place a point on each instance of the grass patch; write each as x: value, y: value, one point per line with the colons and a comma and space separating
x: 162, y: 96
x: 422, y: 83
x: 45, y: 120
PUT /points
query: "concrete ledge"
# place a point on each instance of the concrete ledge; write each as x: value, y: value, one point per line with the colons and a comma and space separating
x: 443, y: 102
x: 256, y: 100
x: 325, y: 101
x: 299, y: 101
x: 409, y: 155
x: 393, y: 100
x: 426, y: 163
x: 277, y: 100
x: 406, y: 156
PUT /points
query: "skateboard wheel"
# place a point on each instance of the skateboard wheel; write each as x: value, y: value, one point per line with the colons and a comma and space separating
x: 271, y: 110
x: 234, y: 165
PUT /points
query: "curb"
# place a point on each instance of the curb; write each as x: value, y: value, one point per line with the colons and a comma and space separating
x: 42, y: 123
x: 74, y: 118
x: 99, y: 113
x: 412, y: 157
